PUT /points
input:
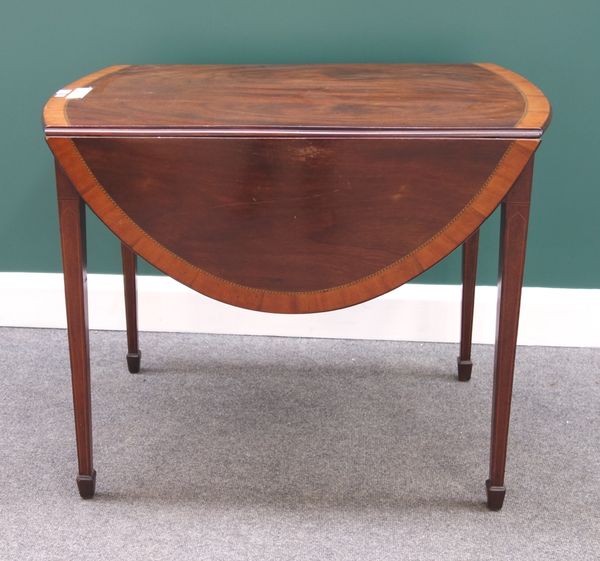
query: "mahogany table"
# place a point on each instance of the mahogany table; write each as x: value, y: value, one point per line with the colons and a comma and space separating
x: 296, y: 189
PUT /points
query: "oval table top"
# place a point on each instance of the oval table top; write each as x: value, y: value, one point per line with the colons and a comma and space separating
x: 449, y: 99
x: 295, y: 189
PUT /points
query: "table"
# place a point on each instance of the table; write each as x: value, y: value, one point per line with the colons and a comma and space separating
x: 296, y: 189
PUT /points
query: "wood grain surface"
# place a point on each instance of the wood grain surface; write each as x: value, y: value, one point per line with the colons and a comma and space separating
x: 402, y: 97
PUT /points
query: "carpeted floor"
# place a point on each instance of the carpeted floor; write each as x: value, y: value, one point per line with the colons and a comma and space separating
x: 257, y: 448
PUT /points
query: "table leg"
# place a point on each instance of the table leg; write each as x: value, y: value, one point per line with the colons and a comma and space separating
x: 513, y: 238
x: 469, y: 277
x: 134, y: 354
x: 71, y: 212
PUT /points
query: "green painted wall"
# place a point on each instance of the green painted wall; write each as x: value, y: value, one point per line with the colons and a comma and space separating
x: 44, y: 45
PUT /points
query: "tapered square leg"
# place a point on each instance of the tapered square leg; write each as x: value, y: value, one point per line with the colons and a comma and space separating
x: 469, y: 278
x: 71, y: 212
x: 513, y: 238
x: 134, y: 354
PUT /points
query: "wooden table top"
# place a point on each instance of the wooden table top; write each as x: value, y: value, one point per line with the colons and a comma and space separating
x: 400, y: 99
x: 295, y: 189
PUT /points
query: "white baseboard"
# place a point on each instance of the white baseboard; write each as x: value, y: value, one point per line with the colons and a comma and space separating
x: 414, y: 312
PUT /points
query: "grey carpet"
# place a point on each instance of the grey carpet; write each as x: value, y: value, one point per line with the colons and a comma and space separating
x: 257, y: 448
